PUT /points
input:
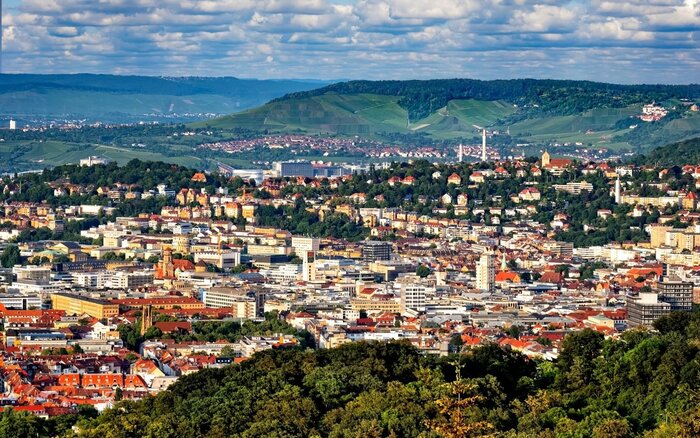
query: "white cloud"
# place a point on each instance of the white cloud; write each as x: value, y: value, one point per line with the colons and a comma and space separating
x: 361, y: 39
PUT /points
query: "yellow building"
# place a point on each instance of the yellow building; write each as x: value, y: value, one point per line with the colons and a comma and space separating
x: 78, y: 305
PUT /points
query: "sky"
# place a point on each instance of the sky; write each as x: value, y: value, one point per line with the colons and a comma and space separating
x: 652, y: 41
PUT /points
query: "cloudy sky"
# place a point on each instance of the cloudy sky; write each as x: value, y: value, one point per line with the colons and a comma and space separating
x: 606, y: 40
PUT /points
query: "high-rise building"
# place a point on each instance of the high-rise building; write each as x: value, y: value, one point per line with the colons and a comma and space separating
x: 677, y: 293
x: 13, y: 125
x: 486, y: 273
x: 645, y: 309
x: 373, y: 250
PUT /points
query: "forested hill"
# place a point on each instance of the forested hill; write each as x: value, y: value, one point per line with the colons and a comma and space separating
x: 551, y: 97
x: 674, y: 154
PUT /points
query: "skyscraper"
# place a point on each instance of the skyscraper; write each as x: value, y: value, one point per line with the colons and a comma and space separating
x: 486, y: 273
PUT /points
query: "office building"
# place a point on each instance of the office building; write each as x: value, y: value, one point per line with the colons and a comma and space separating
x: 242, y: 306
x: 373, y: 251
x: 645, y: 309
x: 291, y: 168
x: 677, y: 293
x: 79, y: 305
x: 486, y: 273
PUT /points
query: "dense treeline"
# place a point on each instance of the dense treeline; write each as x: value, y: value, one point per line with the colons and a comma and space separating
x: 674, y: 154
x: 644, y: 384
x: 545, y: 97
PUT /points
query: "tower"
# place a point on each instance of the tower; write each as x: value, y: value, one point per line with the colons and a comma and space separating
x: 460, y: 153
x: 483, y: 145
x: 545, y: 159
x: 167, y: 267
x: 618, y: 191
x: 485, y: 273
x: 146, y: 319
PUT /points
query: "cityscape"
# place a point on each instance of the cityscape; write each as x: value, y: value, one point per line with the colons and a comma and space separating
x: 331, y: 218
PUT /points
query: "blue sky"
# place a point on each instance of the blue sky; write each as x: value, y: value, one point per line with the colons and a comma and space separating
x: 606, y: 40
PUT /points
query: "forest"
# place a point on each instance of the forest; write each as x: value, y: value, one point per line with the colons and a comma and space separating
x: 644, y: 384
x: 674, y: 154
x: 543, y: 97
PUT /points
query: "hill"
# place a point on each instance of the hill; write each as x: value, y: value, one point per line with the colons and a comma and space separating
x: 674, y: 154
x: 529, y: 110
x: 120, y: 99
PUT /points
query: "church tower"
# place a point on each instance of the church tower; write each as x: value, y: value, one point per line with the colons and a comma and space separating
x: 545, y: 159
x: 146, y: 319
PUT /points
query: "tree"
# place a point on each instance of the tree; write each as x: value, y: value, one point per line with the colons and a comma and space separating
x: 423, y: 271
x: 10, y: 256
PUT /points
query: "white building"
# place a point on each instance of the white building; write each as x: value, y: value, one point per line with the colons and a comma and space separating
x: 486, y: 273
x: 220, y: 259
x: 305, y: 244
x: 414, y: 296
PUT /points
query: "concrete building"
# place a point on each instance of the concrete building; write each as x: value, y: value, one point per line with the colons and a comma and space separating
x: 78, y: 305
x: 291, y: 168
x: 486, y: 273
x: 677, y: 293
x: 242, y: 305
x: 645, y: 309
x: 373, y: 251
x: 305, y: 244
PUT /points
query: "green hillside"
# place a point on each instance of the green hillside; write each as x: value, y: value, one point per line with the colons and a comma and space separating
x: 527, y: 111
x: 674, y: 154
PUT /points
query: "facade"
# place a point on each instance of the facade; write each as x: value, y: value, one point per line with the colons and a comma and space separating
x: 22, y: 302
x: 373, y: 251
x: 78, y: 305
x: 486, y: 273
x: 645, y: 309
x: 677, y: 293
x: 304, y: 168
x: 241, y: 305
x: 305, y: 244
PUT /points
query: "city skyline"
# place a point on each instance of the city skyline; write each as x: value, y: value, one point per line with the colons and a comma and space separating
x: 368, y: 39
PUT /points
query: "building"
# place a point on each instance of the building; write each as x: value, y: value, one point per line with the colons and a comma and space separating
x: 645, y: 309
x: 242, y: 306
x: 305, y: 244
x: 13, y: 125
x: 575, y: 188
x: 224, y: 259
x: 79, y: 305
x: 186, y: 303
x: 131, y: 280
x: 677, y: 293
x: 292, y: 168
x: 486, y: 273
x: 414, y: 296
x: 94, y: 160
x: 373, y: 251
x: 20, y: 301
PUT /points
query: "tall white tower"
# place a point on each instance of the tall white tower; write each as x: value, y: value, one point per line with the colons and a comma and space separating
x: 483, y: 145
x: 13, y: 125
x: 486, y: 273
x: 618, y: 191
x: 460, y: 153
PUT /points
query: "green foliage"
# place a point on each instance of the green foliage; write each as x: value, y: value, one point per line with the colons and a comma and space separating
x: 674, y: 154
x: 423, y: 271
x: 10, y: 256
